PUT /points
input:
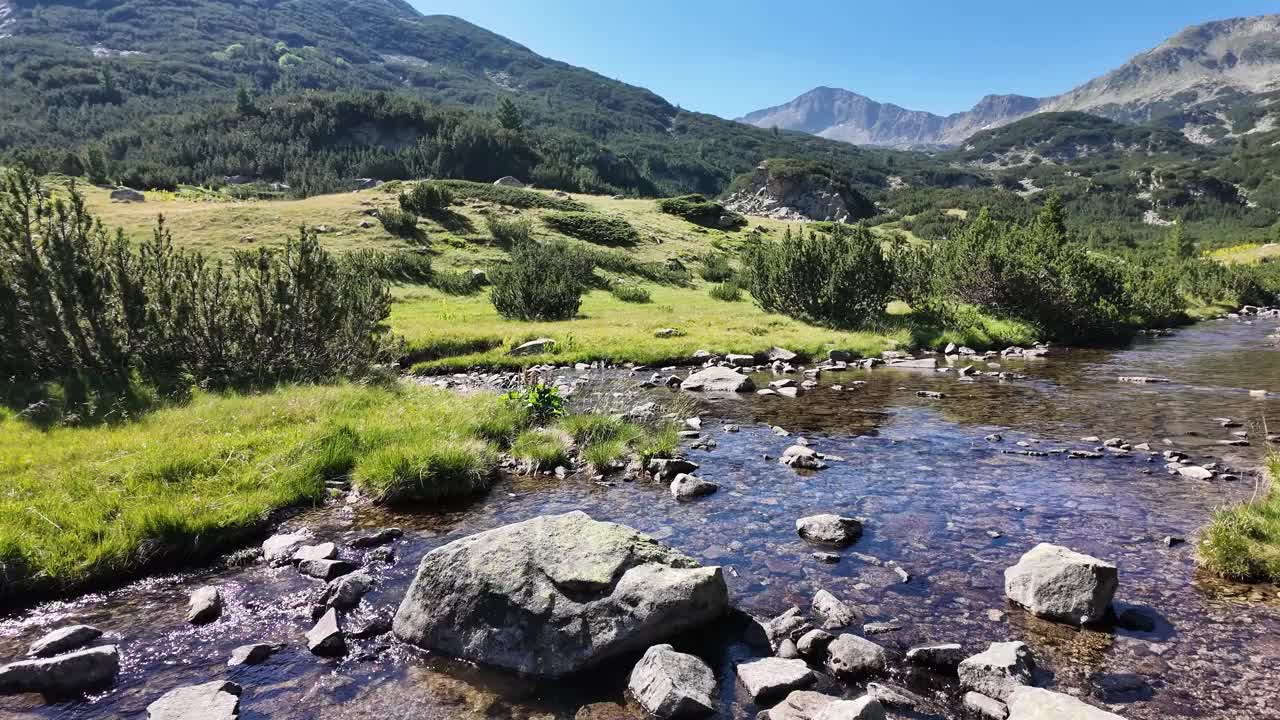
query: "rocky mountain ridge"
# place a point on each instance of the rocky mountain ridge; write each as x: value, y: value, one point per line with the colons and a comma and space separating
x: 1211, y: 81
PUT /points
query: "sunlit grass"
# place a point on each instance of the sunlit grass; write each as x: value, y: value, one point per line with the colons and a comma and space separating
x: 1242, y: 542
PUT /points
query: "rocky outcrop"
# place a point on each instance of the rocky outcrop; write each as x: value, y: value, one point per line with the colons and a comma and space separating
x: 671, y: 685
x: 218, y: 700
x: 554, y: 595
x: 1059, y: 584
x: 798, y: 196
x: 70, y: 674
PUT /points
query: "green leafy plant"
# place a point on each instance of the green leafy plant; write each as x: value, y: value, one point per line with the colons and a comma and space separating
x: 542, y: 403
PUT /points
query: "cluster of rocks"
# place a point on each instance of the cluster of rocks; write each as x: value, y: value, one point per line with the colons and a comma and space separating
x: 1049, y: 581
x: 65, y: 663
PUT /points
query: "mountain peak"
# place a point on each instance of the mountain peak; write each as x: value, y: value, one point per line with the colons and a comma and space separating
x: 1224, y: 61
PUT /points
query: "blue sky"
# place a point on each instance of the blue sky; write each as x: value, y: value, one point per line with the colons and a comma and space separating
x: 729, y: 58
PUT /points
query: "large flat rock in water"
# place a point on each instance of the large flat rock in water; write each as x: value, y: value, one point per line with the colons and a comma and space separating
x: 556, y: 594
x: 1039, y: 704
x: 718, y: 380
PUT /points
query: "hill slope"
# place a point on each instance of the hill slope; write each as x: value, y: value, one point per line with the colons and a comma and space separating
x: 117, y: 72
x: 1210, y: 80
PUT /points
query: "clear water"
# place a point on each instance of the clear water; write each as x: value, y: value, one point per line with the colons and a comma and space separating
x: 935, y: 492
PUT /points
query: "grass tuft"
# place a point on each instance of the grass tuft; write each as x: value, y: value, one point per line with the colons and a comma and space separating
x: 1242, y: 542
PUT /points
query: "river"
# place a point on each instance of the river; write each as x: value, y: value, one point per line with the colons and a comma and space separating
x: 947, y: 505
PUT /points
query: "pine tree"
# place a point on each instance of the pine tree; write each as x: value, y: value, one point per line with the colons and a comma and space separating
x: 1178, y: 244
x: 509, y: 116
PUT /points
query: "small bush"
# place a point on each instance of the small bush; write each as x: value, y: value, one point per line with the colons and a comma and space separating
x: 426, y: 198
x: 630, y: 293
x: 508, y: 232
x: 698, y: 210
x: 408, y: 267
x: 593, y: 228
x: 398, y: 222
x: 726, y: 291
x: 838, y: 280
x: 542, y: 282
x: 624, y: 263
x: 455, y: 282
x: 509, y: 196
x: 716, y: 268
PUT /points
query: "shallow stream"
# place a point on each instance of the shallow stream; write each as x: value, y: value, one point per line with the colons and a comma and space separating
x: 948, y: 506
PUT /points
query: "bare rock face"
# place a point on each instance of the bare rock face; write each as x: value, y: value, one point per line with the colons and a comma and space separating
x: 218, y: 700
x: 786, y: 193
x: 1059, y: 584
x: 70, y: 674
x: 671, y: 685
x: 554, y: 595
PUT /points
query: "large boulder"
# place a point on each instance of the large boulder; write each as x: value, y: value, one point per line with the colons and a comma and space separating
x: 508, y: 181
x: 219, y: 700
x: 127, y: 195
x: 534, y: 347
x: 204, y: 605
x: 1059, y: 584
x: 64, y: 640
x: 556, y: 594
x: 784, y: 194
x: 70, y: 674
x: 1038, y: 704
x: 668, y: 684
x: 997, y: 672
x: 718, y: 379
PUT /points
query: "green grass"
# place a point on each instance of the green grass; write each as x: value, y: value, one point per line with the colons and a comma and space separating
x: 541, y: 448
x: 1242, y: 542
x: 84, y: 504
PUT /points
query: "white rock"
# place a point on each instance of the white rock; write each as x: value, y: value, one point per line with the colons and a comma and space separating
x: 1038, y: 704
x: 771, y: 677
x: 218, y: 700
x: 1060, y: 584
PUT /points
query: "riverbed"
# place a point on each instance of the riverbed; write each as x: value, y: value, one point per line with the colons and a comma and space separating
x: 947, y: 505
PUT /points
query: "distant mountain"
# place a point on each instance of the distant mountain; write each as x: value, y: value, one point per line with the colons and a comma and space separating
x: 1210, y: 81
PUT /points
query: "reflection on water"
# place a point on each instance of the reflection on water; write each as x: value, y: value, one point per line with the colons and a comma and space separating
x: 947, y: 505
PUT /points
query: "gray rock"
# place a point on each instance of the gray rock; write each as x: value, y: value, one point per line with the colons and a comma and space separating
x: 851, y: 657
x: 128, y: 195
x: 942, y: 656
x: 798, y: 705
x: 204, y: 605
x: 999, y: 670
x: 829, y: 529
x: 899, y: 697
x: 1038, y: 704
x: 323, y: 551
x: 831, y: 611
x: 770, y: 677
x: 986, y: 707
x: 64, y: 640
x: 326, y: 637
x: 279, y: 549
x: 740, y: 360
x: 718, y: 379
x: 345, y: 592
x: 325, y: 569
x: 534, y: 347
x: 254, y: 654
x: 790, y: 625
x: 782, y: 354
x: 921, y: 364
x: 382, y: 537
x: 668, y: 684
x: 508, y: 181
x: 1195, y: 472
x: 70, y: 674
x: 801, y: 457
x: 814, y: 644
x: 556, y: 594
x: 663, y: 469
x: 787, y: 650
x: 864, y: 708
x: 1058, y: 584
x: 688, y: 487
x: 219, y: 700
